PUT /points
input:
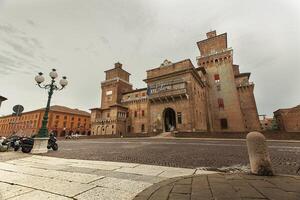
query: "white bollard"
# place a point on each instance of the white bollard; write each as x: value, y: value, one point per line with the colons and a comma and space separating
x: 260, y: 161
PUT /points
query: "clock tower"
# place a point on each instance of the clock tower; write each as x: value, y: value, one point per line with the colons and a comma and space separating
x: 116, y: 82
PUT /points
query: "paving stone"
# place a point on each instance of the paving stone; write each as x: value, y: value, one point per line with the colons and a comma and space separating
x: 182, y: 189
x: 20, y: 179
x: 129, y: 176
x: 286, y: 183
x: 69, y: 176
x: 9, y: 190
x: 65, y: 188
x: 200, y: 172
x: 100, y: 193
x: 56, y: 186
x: 109, y: 163
x: 95, y: 166
x: 140, y: 171
x: 201, y: 194
x: 37, y: 165
x: 175, y: 196
x: 162, y: 193
x: 39, y: 195
x: 77, y: 177
x: 244, y: 189
x: 261, y: 184
x: 149, y: 191
x: 122, y: 184
x: 81, y: 170
x: 223, y: 191
x: 184, y: 181
x: 278, y: 194
x: 200, y: 182
x: 171, y: 174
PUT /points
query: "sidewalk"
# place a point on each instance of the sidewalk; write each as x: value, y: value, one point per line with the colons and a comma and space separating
x: 23, y: 176
x: 224, y: 187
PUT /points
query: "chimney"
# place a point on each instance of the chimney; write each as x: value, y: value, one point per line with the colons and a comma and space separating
x: 211, y: 34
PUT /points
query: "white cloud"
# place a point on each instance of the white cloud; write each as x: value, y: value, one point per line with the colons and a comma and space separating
x: 83, y: 38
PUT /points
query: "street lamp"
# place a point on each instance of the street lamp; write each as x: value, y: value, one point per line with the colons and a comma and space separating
x: 42, y: 135
x: 43, y: 132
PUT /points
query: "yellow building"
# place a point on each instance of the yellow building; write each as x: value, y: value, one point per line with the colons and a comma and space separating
x: 62, y: 120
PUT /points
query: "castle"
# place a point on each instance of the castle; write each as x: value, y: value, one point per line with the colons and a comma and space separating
x: 212, y: 97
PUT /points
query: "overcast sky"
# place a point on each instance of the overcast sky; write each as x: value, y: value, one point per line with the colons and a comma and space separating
x: 82, y: 38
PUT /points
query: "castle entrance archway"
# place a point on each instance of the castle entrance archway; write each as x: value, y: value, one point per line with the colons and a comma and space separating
x: 169, y: 119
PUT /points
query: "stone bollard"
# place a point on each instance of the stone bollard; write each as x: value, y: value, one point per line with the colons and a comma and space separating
x: 260, y: 161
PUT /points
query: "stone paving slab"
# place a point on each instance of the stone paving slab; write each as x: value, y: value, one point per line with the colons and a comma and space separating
x: 122, y: 184
x: 149, y: 172
x: 42, y: 177
x: 9, y: 191
x: 39, y: 195
x: 100, y: 193
x: 68, y: 176
x: 224, y: 186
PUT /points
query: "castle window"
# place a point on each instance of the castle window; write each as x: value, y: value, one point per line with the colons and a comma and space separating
x: 143, y: 113
x: 143, y: 128
x: 216, y: 60
x: 109, y: 92
x: 224, y: 123
x: 108, y: 114
x: 57, y: 117
x: 217, y: 78
x: 112, y: 126
x: 179, y: 117
x: 221, y: 103
x: 135, y: 113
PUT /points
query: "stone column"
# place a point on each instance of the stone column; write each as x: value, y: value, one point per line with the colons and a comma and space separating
x: 260, y: 161
x: 40, y: 145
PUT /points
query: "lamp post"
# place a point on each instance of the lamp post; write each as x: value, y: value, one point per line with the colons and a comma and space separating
x: 41, y: 139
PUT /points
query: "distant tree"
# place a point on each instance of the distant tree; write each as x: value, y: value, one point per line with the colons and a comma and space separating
x: 274, y: 125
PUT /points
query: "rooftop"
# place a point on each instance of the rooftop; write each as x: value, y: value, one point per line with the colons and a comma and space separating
x: 65, y: 109
x: 136, y: 90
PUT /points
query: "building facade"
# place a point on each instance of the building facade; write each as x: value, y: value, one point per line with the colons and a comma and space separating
x: 211, y: 97
x: 62, y: 120
x: 288, y: 119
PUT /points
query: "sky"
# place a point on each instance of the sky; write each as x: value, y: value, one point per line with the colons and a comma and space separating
x: 82, y: 38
